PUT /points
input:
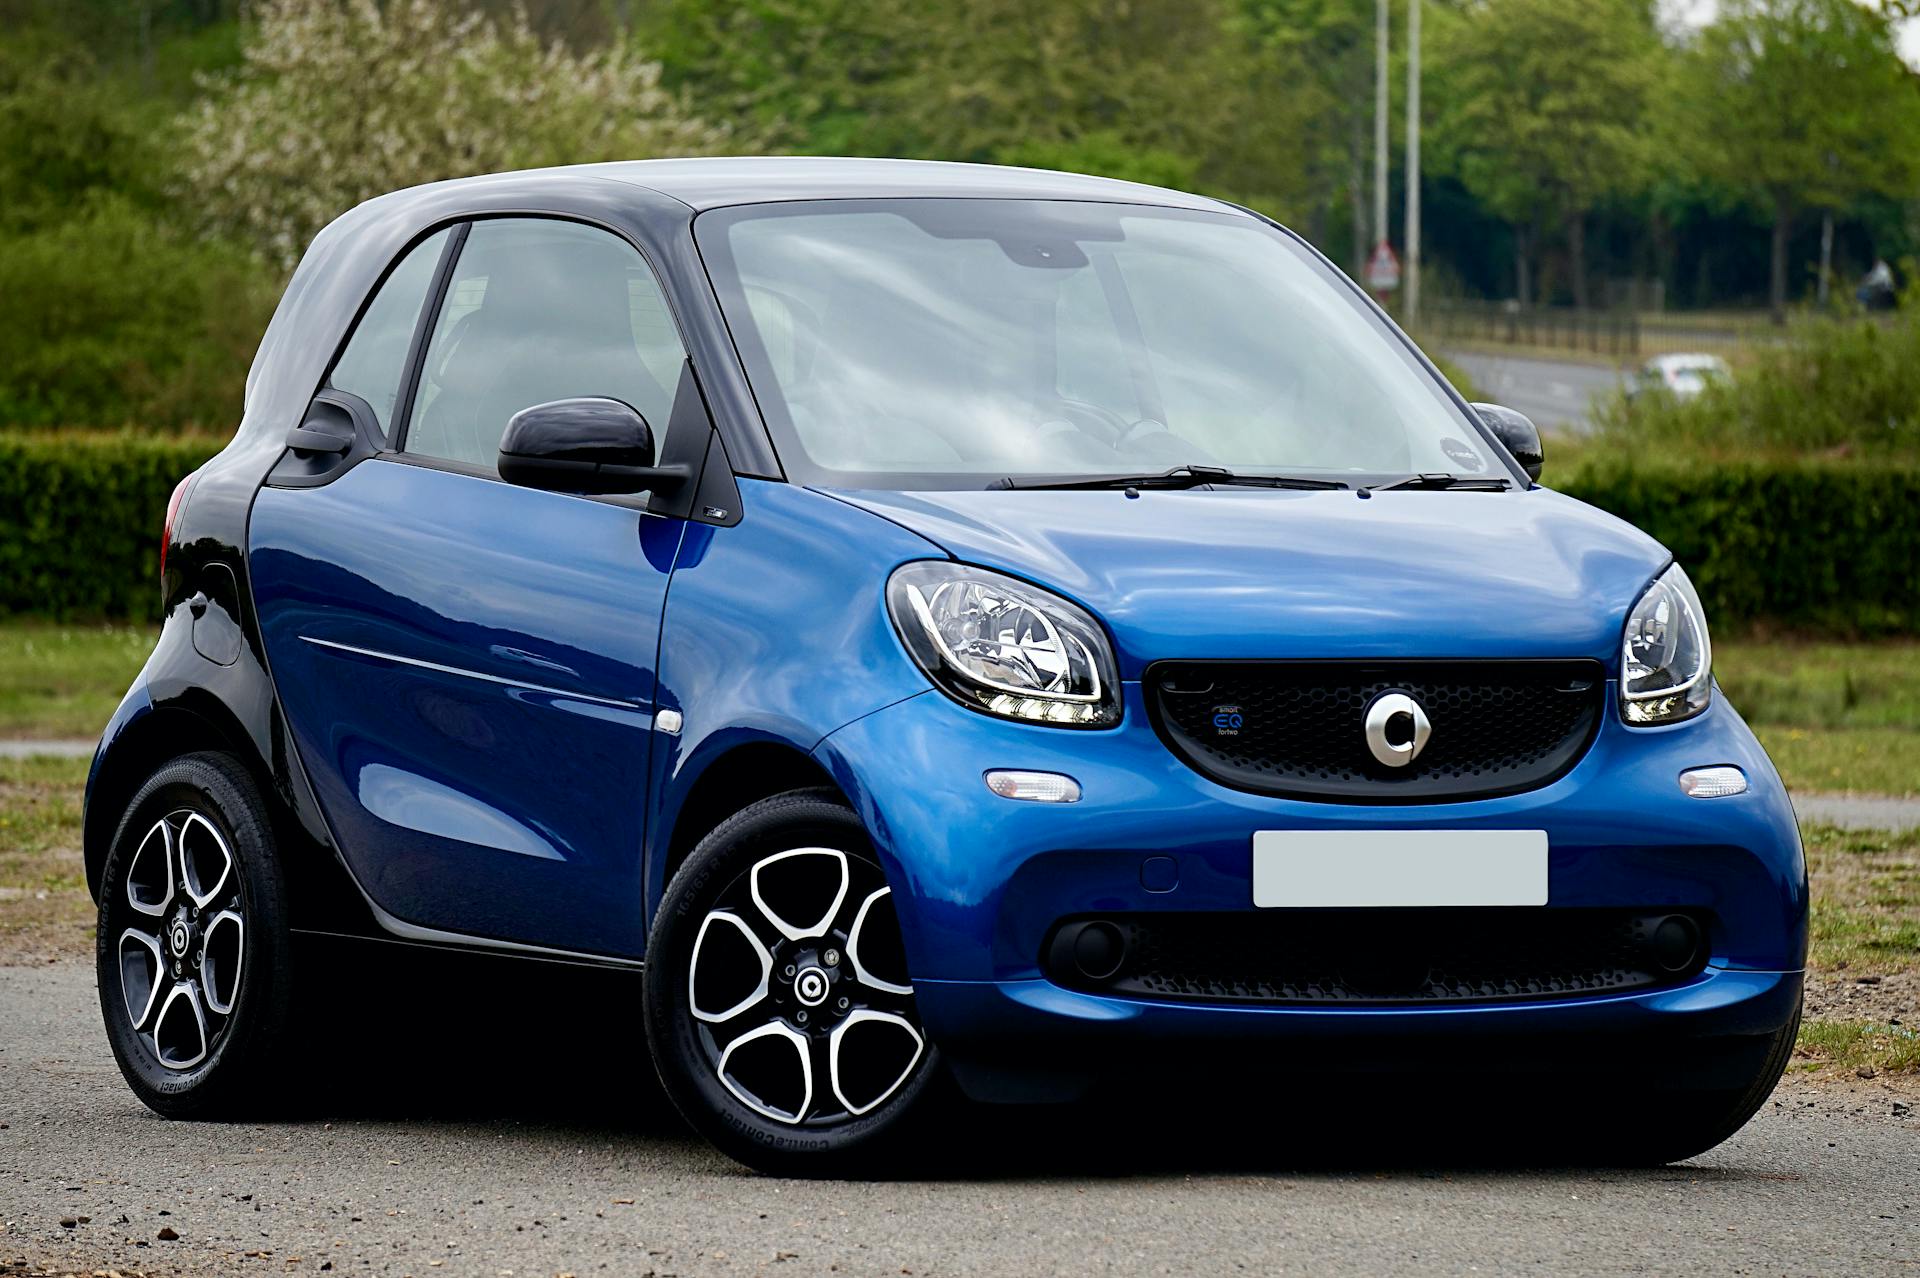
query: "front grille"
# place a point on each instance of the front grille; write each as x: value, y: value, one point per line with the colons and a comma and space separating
x: 1296, y: 728
x: 1382, y: 956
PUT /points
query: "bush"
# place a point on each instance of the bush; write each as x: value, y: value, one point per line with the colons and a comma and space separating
x: 336, y: 103
x: 111, y: 317
x: 1809, y: 545
x: 80, y: 532
x: 1848, y: 386
x: 1818, y: 545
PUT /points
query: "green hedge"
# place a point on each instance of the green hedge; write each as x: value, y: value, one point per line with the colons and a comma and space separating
x: 80, y: 518
x: 1816, y: 545
x: 1829, y: 546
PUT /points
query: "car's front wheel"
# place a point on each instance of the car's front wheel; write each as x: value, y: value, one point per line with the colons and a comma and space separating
x: 192, y: 949
x: 779, y: 1006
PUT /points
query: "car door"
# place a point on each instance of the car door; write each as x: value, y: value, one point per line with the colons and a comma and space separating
x: 468, y: 666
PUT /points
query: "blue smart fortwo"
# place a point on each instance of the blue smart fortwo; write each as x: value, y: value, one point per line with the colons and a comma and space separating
x: 945, y: 623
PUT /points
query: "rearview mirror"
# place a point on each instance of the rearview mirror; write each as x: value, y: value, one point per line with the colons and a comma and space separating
x: 587, y: 445
x: 1517, y: 432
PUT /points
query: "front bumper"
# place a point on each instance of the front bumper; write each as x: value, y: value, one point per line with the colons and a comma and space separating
x: 981, y: 881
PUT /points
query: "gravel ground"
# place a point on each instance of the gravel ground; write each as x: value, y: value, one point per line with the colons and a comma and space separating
x: 534, y: 1142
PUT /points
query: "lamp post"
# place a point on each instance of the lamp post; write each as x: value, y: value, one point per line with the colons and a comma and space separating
x: 1412, y: 268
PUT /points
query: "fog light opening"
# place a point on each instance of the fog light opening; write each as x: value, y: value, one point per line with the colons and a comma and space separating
x: 1675, y: 943
x: 1713, y: 783
x: 1099, y: 950
x: 1034, y: 787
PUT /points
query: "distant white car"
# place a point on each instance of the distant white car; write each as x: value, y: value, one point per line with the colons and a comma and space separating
x: 1683, y: 376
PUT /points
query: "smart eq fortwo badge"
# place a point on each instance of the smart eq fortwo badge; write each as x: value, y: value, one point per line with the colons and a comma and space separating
x: 1396, y: 729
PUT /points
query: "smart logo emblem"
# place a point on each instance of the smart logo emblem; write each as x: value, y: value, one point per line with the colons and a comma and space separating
x: 1227, y: 721
x: 1396, y: 729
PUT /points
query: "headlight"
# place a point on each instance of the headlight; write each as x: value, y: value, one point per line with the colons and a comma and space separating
x: 1001, y: 646
x: 1666, y: 661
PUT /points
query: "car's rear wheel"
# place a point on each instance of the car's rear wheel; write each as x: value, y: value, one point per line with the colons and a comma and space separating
x: 192, y: 950
x: 779, y: 1007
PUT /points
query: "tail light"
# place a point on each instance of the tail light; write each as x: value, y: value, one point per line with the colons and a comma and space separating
x: 173, y: 508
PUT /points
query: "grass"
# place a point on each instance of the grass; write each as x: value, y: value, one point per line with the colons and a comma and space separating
x: 1834, y: 716
x: 1866, y: 900
x: 64, y: 681
x: 1858, y: 1046
x: 43, y: 892
x: 1864, y: 954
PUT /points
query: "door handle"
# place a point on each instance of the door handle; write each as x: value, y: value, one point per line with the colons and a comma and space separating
x: 307, y: 438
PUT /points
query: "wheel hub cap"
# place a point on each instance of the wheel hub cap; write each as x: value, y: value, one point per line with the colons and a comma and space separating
x: 811, y: 986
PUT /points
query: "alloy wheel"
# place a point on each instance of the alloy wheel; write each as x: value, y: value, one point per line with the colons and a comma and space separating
x: 799, y: 990
x: 180, y: 953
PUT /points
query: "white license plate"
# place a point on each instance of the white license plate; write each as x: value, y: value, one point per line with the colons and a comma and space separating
x: 1340, y: 868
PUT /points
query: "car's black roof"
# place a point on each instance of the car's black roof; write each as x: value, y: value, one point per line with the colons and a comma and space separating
x: 711, y: 183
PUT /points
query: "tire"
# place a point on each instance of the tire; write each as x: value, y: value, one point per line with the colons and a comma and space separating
x: 191, y: 878
x: 773, y: 1069
x: 1674, y: 1120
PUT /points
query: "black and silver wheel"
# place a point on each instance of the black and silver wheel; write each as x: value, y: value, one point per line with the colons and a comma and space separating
x: 192, y: 945
x: 779, y: 1005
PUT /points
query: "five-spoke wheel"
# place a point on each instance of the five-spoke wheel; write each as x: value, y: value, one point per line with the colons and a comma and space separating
x: 192, y: 939
x: 185, y: 940
x: 778, y: 997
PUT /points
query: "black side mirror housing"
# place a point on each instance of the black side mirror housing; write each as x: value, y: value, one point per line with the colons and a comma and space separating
x: 586, y: 445
x: 1518, y: 433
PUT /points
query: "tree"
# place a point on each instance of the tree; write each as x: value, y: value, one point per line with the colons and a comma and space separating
x: 1801, y: 104
x: 338, y: 102
x: 1315, y: 61
x: 1541, y: 109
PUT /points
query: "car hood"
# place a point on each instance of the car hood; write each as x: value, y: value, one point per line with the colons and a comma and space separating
x: 1260, y: 573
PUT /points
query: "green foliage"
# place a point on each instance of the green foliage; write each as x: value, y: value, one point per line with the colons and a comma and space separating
x: 114, y: 317
x: 342, y: 100
x: 1798, y: 104
x: 1825, y: 545
x: 1543, y: 108
x: 113, y: 313
x: 1837, y: 385
x: 81, y: 532
x: 1105, y: 155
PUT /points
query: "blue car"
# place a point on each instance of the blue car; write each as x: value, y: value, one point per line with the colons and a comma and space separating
x: 938, y: 625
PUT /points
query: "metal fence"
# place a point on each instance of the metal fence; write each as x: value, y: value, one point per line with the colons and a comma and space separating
x: 1600, y: 332
x: 1621, y: 334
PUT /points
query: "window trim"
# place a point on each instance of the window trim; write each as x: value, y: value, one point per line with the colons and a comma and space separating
x: 388, y: 430
x: 430, y: 316
x: 423, y: 333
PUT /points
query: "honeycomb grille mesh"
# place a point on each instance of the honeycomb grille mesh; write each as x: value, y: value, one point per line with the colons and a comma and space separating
x: 1296, y: 728
x: 1336, y: 956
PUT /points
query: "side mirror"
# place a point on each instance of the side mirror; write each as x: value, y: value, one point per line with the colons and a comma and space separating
x: 1517, y: 432
x: 588, y: 445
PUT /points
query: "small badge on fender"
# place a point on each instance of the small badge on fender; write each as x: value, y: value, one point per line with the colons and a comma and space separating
x: 1227, y: 721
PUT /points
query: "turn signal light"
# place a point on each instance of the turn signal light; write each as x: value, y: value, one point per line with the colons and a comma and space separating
x: 1713, y: 783
x: 1034, y: 787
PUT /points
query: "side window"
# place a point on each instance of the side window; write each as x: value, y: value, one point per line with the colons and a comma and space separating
x: 376, y: 355
x: 540, y: 310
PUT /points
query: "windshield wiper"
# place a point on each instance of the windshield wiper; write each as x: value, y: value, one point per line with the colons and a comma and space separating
x: 1440, y: 480
x: 1178, y: 477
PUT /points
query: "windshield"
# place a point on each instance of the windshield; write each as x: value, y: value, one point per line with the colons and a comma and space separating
x: 944, y: 343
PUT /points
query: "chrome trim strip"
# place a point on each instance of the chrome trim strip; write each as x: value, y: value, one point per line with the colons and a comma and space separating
x: 435, y: 666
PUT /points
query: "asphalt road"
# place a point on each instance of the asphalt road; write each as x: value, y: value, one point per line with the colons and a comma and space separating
x: 525, y: 1140
x: 1557, y: 395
